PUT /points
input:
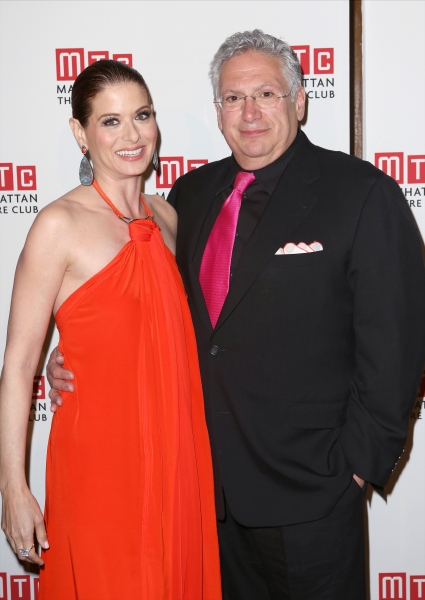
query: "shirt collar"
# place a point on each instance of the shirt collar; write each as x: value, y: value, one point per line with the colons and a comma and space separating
x: 267, y: 176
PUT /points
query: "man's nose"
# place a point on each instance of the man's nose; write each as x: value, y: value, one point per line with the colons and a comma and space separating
x: 251, y: 111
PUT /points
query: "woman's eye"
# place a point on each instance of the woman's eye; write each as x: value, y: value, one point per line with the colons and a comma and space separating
x: 110, y: 121
x: 143, y: 115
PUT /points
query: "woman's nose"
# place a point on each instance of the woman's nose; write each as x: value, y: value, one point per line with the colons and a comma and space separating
x: 131, y: 133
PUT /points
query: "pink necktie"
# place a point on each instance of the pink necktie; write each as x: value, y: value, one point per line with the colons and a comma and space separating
x: 214, y: 273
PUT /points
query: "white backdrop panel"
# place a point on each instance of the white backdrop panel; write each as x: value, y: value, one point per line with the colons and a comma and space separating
x: 394, y: 78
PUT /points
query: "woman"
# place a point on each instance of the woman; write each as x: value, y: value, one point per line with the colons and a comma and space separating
x: 129, y: 504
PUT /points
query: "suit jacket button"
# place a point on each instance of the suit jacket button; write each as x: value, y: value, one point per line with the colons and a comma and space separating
x: 213, y: 350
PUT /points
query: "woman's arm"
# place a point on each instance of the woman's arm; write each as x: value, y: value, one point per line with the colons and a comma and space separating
x: 38, y: 278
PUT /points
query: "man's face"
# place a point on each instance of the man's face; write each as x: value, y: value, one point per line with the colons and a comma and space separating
x: 258, y: 136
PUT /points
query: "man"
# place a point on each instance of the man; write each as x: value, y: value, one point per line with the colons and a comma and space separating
x: 308, y: 306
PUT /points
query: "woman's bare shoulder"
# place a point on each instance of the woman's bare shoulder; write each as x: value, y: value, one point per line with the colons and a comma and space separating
x: 160, y: 208
x: 76, y: 199
x: 57, y: 216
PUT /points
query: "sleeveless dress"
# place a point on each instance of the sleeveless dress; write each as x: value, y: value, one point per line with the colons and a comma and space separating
x: 130, y: 503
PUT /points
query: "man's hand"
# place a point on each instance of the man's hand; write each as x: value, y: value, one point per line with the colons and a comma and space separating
x: 360, y: 482
x: 58, y: 378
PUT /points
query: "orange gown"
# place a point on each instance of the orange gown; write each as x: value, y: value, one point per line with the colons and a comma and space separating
x: 129, y: 502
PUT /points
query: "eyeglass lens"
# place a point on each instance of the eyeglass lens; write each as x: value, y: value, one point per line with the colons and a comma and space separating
x: 265, y: 100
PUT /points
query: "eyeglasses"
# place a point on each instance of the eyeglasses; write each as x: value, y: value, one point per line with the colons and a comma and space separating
x: 232, y: 102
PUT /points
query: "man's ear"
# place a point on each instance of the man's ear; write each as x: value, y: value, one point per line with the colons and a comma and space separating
x: 78, y: 132
x: 300, y: 103
x: 219, y: 121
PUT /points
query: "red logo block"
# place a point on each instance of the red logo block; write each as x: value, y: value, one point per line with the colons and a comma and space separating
x: 392, y: 163
x: 97, y: 55
x: 417, y: 587
x: 124, y: 58
x: 324, y: 61
x: 36, y: 583
x: 3, y: 586
x: 38, y: 389
x: 26, y: 178
x: 69, y: 63
x: 303, y: 55
x: 172, y: 167
x: 392, y: 586
x: 416, y: 170
x: 20, y: 587
x: 6, y: 179
x: 195, y: 163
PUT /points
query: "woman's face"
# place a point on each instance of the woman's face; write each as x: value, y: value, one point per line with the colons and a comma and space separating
x: 121, y: 131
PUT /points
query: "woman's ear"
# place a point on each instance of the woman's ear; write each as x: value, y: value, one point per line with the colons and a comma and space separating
x: 78, y: 132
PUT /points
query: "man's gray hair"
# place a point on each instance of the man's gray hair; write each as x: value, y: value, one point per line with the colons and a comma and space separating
x: 257, y: 41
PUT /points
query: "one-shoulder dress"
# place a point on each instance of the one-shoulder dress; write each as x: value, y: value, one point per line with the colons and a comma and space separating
x: 129, y: 500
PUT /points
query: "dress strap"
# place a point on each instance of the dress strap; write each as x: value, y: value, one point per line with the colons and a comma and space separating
x: 146, y: 207
x: 115, y: 209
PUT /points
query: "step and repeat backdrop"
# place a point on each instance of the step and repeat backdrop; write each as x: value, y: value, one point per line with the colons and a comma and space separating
x: 43, y: 47
x: 394, y: 140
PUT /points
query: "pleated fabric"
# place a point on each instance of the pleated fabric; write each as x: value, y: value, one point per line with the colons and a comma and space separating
x: 129, y: 502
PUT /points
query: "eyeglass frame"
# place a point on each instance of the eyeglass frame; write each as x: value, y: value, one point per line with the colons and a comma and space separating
x: 219, y: 102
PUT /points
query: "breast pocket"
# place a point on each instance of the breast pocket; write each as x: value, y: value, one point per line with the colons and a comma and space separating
x: 288, y: 261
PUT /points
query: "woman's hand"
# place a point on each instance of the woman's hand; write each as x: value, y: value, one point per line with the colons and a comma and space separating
x: 21, y: 516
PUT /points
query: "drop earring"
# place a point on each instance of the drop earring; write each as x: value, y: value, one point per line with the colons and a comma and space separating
x: 86, y: 171
x: 155, y: 160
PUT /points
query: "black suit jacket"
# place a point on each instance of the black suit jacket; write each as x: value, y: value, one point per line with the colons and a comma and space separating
x: 312, y: 369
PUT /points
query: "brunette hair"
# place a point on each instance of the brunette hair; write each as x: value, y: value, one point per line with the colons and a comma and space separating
x: 96, y: 77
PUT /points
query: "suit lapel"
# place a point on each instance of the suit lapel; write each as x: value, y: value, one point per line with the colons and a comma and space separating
x: 290, y: 203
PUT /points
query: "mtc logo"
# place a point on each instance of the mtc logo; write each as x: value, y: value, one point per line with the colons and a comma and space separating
x: 25, y: 179
x: 392, y: 586
x: 20, y: 587
x: 323, y: 60
x: 392, y: 163
x: 70, y: 61
x: 38, y: 389
x: 172, y: 167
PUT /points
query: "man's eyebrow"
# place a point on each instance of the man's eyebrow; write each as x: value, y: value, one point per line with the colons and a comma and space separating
x: 258, y: 87
x: 263, y: 85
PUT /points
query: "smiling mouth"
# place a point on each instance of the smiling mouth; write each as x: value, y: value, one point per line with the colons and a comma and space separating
x: 136, y: 152
x: 253, y: 132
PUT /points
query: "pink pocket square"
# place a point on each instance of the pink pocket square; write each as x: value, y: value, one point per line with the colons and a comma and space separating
x: 300, y: 248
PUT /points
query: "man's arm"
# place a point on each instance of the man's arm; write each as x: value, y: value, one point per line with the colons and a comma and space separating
x: 387, y: 277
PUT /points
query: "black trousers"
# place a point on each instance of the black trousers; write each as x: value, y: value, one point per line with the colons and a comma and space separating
x: 318, y: 560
